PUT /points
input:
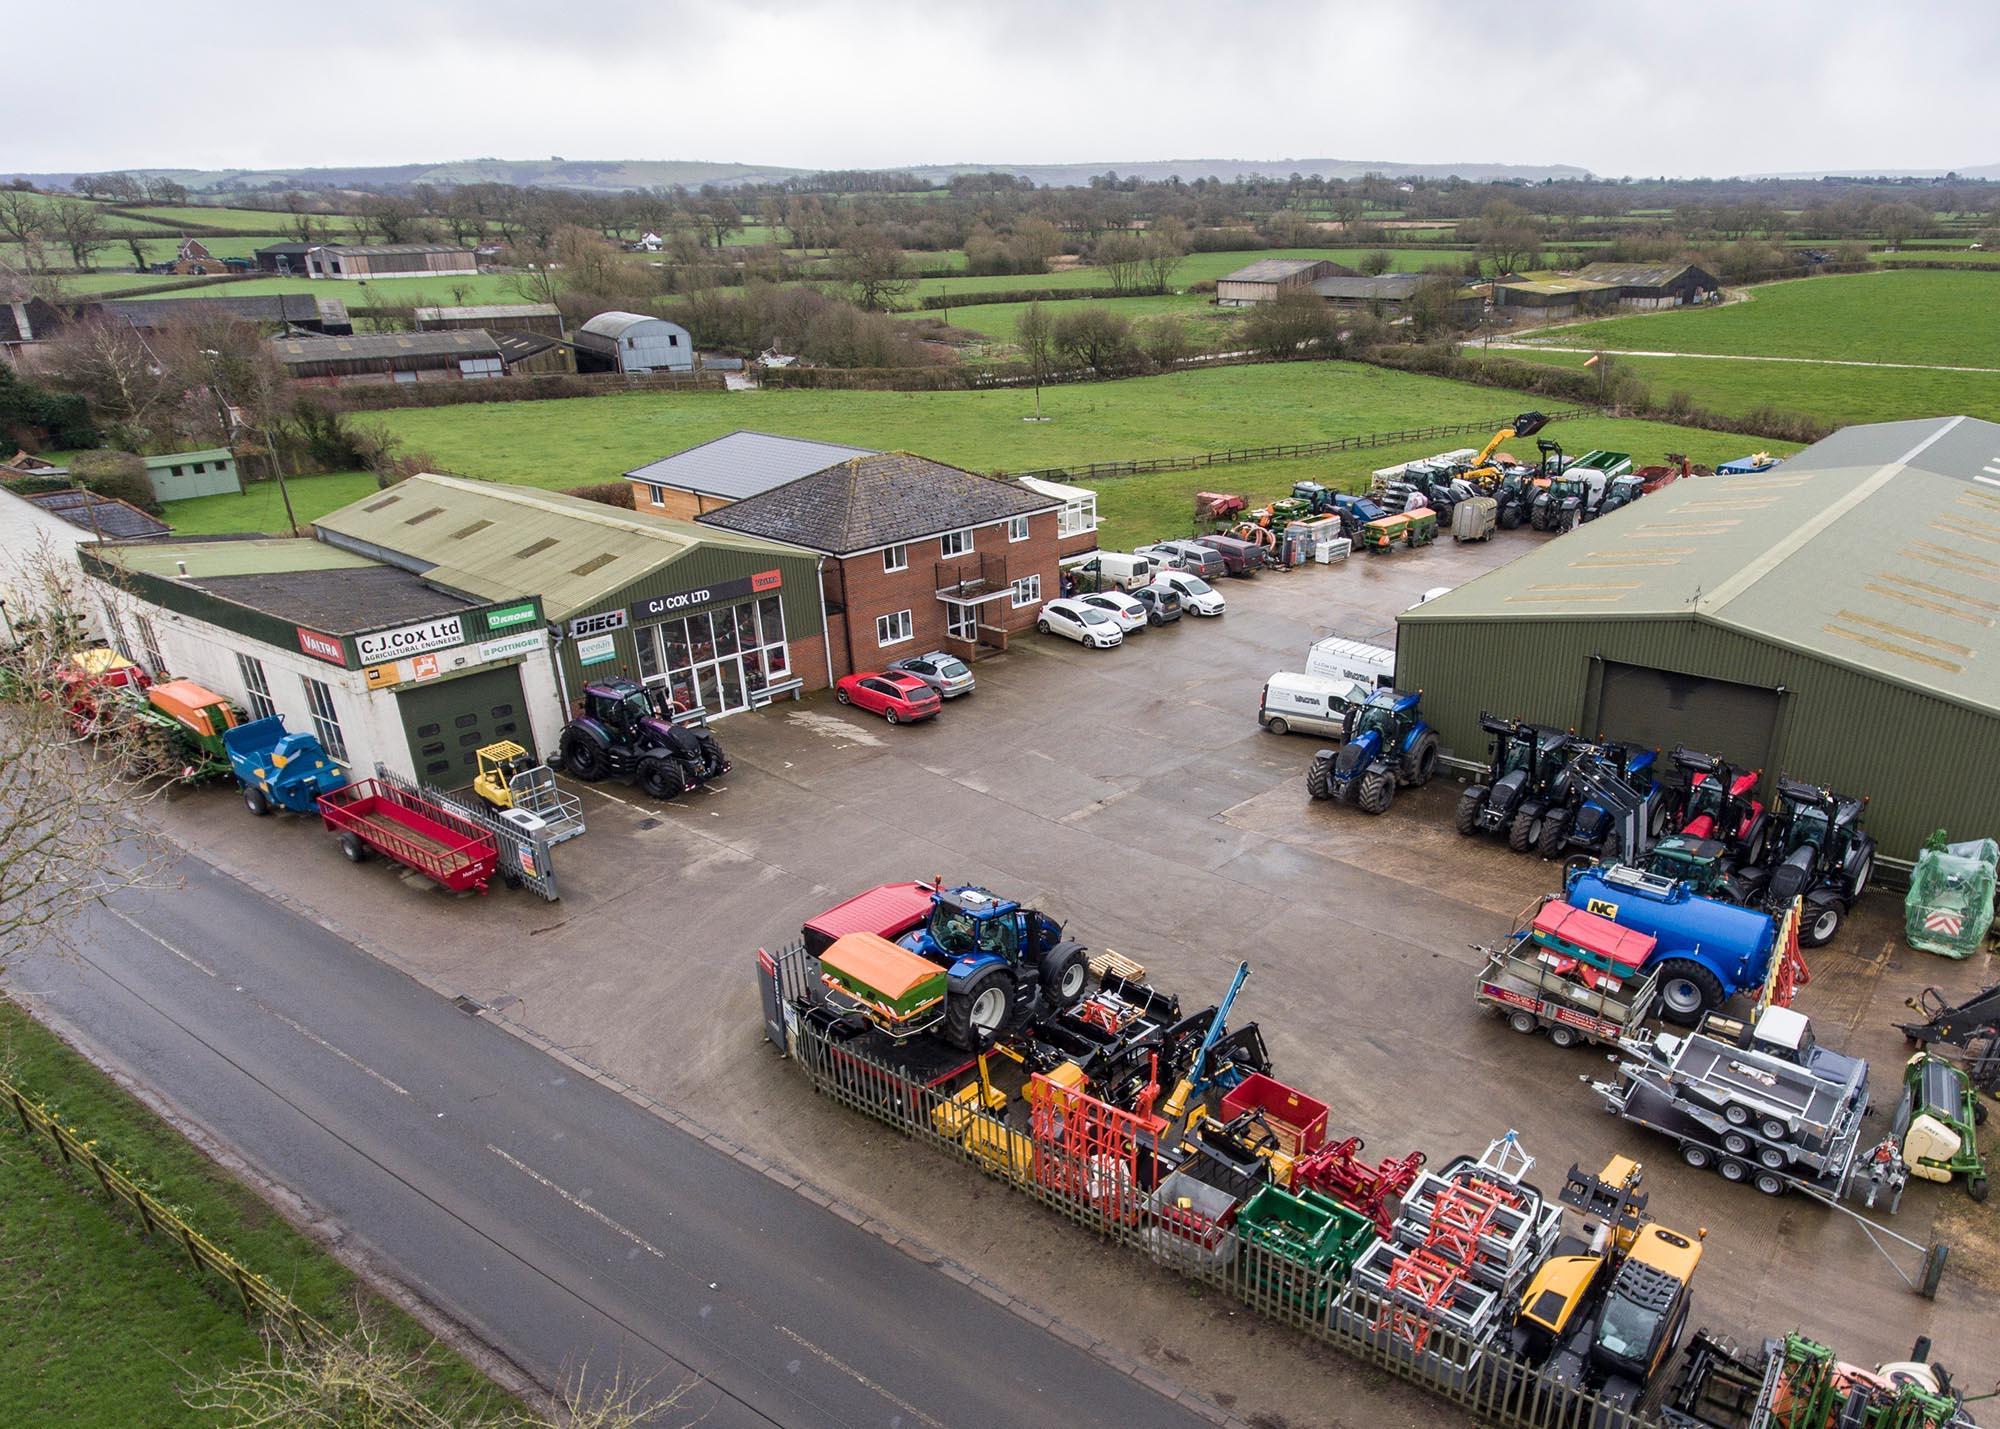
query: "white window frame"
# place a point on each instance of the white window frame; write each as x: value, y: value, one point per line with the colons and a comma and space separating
x: 1028, y: 591
x: 256, y: 686
x: 325, y: 716
x: 954, y: 543
x: 656, y: 493
x: 1017, y: 528
x: 1077, y: 518
x: 894, y: 559
x: 961, y: 622
x: 886, y: 627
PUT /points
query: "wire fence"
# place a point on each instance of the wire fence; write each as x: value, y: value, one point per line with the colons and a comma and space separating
x: 1094, y: 1182
x: 256, y: 1294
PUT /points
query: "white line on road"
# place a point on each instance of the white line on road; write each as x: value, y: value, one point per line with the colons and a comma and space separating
x: 582, y: 1205
x: 189, y: 958
x: 1987, y: 480
x: 859, y: 1378
x: 319, y: 1041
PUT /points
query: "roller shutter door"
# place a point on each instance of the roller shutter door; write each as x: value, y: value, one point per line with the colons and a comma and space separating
x: 447, y: 721
x: 1660, y: 709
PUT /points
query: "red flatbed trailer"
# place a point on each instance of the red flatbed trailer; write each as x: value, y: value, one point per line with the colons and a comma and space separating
x: 445, y: 847
x: 888, y: 911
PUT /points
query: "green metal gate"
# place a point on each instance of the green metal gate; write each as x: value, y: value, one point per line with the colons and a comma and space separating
x: 446, y: 721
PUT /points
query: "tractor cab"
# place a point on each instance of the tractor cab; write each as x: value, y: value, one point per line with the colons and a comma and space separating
x: 1317, y: 498
x: 1645, y: 1306
x: 1002, y: 963
x: 970, y: 922
x: 1702, y: 864
x: 1387, y: 715
x: 1722, y: 803
x: 621, y: 705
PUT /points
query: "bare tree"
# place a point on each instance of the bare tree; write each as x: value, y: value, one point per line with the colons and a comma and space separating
x: 1508, y: 237
x: 1035, y: 335
x: 1094, y: 336
x: 115, y: 368
x: 1166, y: 246
x: 81, y: 228
x: 24, y: 216
x: 719, y: 218
x: 874, y: 267
x: 136, y: 242
x: 1122, y: 256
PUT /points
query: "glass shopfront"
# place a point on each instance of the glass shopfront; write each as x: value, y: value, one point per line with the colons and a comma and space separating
x: 720, y: 659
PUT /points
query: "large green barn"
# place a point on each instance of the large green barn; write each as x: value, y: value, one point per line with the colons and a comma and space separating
x: 1833, y: 619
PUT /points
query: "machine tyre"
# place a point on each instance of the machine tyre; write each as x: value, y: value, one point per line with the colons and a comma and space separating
x: 1538, y: 516
x: 1420, y: 760
x: 1771, y: 1129
x: 356, y: 851
x: 1736, y: 1143
x: 1525, y: 832
x: 994, y: 987
x: 1736, y: 1115
x: 1755, y: 853
x: 1319, y: 779
x: 1687, y: 990
x: 1978, y: 1111
x: 1065, y: 975
x: 1697, y: 1155
x: 1376, y: 794
x: 1733, y: 1170
x: 255, y: 801
x: 1508, y: 518
x: 585, y: 760
x: 1466, y: 820
x: 1555, y: 833
x: 1770, y: 1183
x: 1821, y: 923
x: 1522, y: 1021
x: 1278, y: 725
x: 1772, y: 1159
x: 1563, y: 1035
x: 662, y: 779
x: 1861, y: 878
x: 1977, y: 1188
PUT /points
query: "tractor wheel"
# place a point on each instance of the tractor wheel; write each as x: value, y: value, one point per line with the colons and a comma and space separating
x: 1656, y: 817
x: 1377, y: 792
x: 1508, y: 518
x: 1687, y: 990
x: 356, y: 851
x: 1065, y: 975
x: 1420, y: 760
x: 1278, y: 725
x: 1755, y: 853
x: 1866, y: 872
x: 1555, y: 833
x: 1538, y: 516
x: 255, y: 801
x: 662, y: 779
x: 1466, y: 821
x: 1319, y: 779
x: 585, y: 760
x: 1821, y: 922
x: 1977, y: 1188
x: 1563, y: 1035
x: 972, y: 1019
x: 1525, y: 832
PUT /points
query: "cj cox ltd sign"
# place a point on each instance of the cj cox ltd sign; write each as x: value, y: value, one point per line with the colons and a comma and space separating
x: 723, y: 591
x: 410, y: 639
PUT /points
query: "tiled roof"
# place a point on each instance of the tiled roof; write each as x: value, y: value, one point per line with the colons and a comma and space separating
x: 104, y: 516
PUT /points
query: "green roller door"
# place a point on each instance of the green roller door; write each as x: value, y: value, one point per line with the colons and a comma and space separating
x: 1660, y: 708
x: 446, y: 721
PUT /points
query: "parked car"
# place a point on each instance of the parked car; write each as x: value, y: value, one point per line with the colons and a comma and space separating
x: 947, y: 674
x: 1108, y: 570
x: 1185, y: 556
x: 897, y: 697
x: 1085, y: 624
x: 1196, y: 594
x: 1309, y: 704
x: 1239, y: 558
x: 1162, y: 606
x: 1129, y: 613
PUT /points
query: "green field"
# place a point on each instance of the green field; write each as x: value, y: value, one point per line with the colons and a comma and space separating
x: 1922, y: 317
x: 234, y: 220
x: 260, y: 506
x: 480, y: 288
x: 1208, y: 324
x: 99, y: 1326
x: 1195, y: 268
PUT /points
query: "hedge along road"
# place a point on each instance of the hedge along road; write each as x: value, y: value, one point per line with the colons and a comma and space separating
x: 570, y: 1229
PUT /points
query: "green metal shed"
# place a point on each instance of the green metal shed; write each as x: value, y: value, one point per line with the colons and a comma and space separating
x: 1836, y: 618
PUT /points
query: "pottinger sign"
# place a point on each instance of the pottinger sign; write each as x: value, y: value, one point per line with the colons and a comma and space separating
x: 323, y: 647
x: 410, y: 639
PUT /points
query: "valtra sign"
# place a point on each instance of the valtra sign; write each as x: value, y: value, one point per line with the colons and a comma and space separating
x: 321, y: 647
x: 410, y: 639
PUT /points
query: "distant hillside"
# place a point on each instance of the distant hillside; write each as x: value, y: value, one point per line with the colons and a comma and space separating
x: 624, y: 175
x: 1975, y: 171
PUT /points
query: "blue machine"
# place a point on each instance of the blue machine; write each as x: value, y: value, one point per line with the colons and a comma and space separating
x: 1388, y: 744
x: 281, y: 769
x: 1001, y: 961
x: 1707, y: 952
x: 1747, y: 465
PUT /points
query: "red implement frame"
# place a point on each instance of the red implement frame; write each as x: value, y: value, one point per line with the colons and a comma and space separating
x: 1788, y: 972
x: 1462, y: 1213
x: 445, y: 847
x: 1086, y: 1148
x: 1338, y: 1171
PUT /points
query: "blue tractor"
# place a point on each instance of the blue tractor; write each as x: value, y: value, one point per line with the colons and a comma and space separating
x: 1582, y: 812
x: 1388, y: 744
x: 1003, y: 964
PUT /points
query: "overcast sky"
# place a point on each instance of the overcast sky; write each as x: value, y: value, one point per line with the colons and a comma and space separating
x: 1692, y: 87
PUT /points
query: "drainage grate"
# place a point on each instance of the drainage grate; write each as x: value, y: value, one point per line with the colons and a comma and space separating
x: 467, y: 1005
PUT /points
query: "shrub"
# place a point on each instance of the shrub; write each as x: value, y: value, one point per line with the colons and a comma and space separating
x: 120, y: 475
x: 608, y: 493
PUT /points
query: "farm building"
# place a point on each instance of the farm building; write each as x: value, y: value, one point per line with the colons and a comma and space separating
x: 284, y: 257
x: 1654, y: 285
x: 710, y: 476
x: 529, y: 353
x: 378, y: 661
x: 545, y: 318
x: 26, y: 321
x: 179, y: 475
x: 390, y: 357
x: 1388, y: 292
x: 297, y: 311
x: 193, y: 260
x: 633, y: 342
x: 1076, y: 522
x: 725, y: 621
x: 920, y: 556
x: 1554, y: 297
x: 353, y: 261
x: 32, y: 525
x: 1263, y: 280
x: 1831, y: 619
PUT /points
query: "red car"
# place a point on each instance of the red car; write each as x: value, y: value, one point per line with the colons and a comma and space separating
x: 898, y: 698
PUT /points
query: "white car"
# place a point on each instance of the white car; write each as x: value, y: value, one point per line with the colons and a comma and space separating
x: 1433, y: 593
x: 1085, y: 624
x: 1196, y: 594
x: 1129, y: 613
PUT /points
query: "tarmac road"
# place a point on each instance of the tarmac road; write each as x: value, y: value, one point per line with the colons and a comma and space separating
x: 566, y: 1227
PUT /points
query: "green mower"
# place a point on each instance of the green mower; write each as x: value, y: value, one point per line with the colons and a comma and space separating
x: 1936, y: 1124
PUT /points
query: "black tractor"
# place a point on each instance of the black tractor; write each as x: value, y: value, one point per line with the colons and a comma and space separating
x: 625, y: 731
x: 1818, y: 851
x: 1524, y: 762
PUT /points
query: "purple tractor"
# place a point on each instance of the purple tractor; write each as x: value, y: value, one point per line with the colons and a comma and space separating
x: 627, y: 732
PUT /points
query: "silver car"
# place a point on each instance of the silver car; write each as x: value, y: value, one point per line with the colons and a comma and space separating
x: 947, y: 674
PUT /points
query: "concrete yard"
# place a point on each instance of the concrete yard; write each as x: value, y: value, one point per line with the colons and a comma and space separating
x: 1131, y: 793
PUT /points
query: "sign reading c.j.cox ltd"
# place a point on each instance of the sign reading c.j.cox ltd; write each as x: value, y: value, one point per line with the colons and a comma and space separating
x: 410, y: 639
x: 656, y: 606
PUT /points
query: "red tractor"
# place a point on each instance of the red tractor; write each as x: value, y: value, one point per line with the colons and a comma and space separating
x: 1722, y: 804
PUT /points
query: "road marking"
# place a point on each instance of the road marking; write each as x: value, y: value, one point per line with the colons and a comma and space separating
x: 189, y: 958
x: 319, y: 1041
x: 859, y: 1378
x: 1987, y: 480
x: 582, y: 1205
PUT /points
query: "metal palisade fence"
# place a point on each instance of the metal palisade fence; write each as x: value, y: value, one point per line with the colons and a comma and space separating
x: 525, y: 859
x: 1066, y: 1163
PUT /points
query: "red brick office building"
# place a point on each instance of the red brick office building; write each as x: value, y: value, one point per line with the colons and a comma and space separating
x: 918, y: 555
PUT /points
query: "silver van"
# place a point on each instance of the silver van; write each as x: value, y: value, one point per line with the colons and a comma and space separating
x: 1309, y: 704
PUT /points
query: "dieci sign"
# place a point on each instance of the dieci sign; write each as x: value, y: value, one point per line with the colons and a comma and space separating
x: 506, y: 617
x: 706, y: 595
x: 321, y: 647
x: 601, y: 624
x: 410, y: 639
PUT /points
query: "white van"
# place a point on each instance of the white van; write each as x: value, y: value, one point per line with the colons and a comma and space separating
x: 1340, y: 659
x: 1308, y: 704
x: 1110, y: 570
